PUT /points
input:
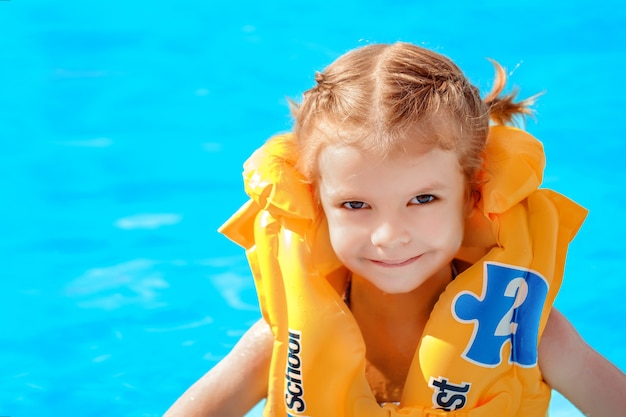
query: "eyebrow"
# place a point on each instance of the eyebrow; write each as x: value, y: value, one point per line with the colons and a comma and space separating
x: 345, y: 194
x: 431, y: 187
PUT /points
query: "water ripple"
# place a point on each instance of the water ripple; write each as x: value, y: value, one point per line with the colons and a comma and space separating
x: 148, y: 221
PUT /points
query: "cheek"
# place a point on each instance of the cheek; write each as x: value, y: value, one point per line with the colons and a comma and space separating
x: 344, y: 238
x: 456, y: 228
x: 444, y: 228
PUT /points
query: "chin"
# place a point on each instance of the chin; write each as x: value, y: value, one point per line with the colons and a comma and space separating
x: 396, y: 289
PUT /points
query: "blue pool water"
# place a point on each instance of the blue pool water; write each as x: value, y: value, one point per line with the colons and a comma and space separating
x: 123, y: 127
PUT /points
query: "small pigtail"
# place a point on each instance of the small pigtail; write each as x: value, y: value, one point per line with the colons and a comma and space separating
x: 503, y: 110
x: 322, y: 89
x: 320, y: 78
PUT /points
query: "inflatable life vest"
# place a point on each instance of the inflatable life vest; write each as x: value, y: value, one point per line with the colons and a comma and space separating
x: 478, y: 353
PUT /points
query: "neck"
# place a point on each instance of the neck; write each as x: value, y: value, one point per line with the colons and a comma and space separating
x: 392, y: 327
x: 368, y: 300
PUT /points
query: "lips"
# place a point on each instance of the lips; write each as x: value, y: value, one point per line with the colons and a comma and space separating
x: 390, y: 263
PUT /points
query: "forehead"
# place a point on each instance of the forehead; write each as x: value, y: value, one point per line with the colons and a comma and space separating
x: 343, y: 167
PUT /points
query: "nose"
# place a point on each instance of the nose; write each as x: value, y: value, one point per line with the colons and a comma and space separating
x: 391, y: 233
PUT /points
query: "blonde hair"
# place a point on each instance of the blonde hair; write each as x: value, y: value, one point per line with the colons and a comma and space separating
x: 389, y: 98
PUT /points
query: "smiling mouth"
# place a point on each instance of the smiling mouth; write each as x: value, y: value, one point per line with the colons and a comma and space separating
x: 395, y: 263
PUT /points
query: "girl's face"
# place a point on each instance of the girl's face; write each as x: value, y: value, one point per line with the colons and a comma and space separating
x: 397, y: 221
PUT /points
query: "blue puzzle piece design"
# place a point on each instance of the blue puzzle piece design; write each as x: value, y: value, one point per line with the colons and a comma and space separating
x: 509, y: 310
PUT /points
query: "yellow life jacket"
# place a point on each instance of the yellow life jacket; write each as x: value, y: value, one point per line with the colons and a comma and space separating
x: 478, y: 352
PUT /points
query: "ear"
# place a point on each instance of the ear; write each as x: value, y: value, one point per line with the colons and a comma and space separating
x: 473, y: 197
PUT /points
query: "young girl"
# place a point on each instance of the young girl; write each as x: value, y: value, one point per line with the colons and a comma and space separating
x: 405, y: 259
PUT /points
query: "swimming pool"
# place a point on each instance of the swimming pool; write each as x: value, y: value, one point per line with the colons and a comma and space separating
x: 124, y: 128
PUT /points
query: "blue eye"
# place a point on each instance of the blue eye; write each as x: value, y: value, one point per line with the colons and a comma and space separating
x: 423, y: 199
x: 354, y: 205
